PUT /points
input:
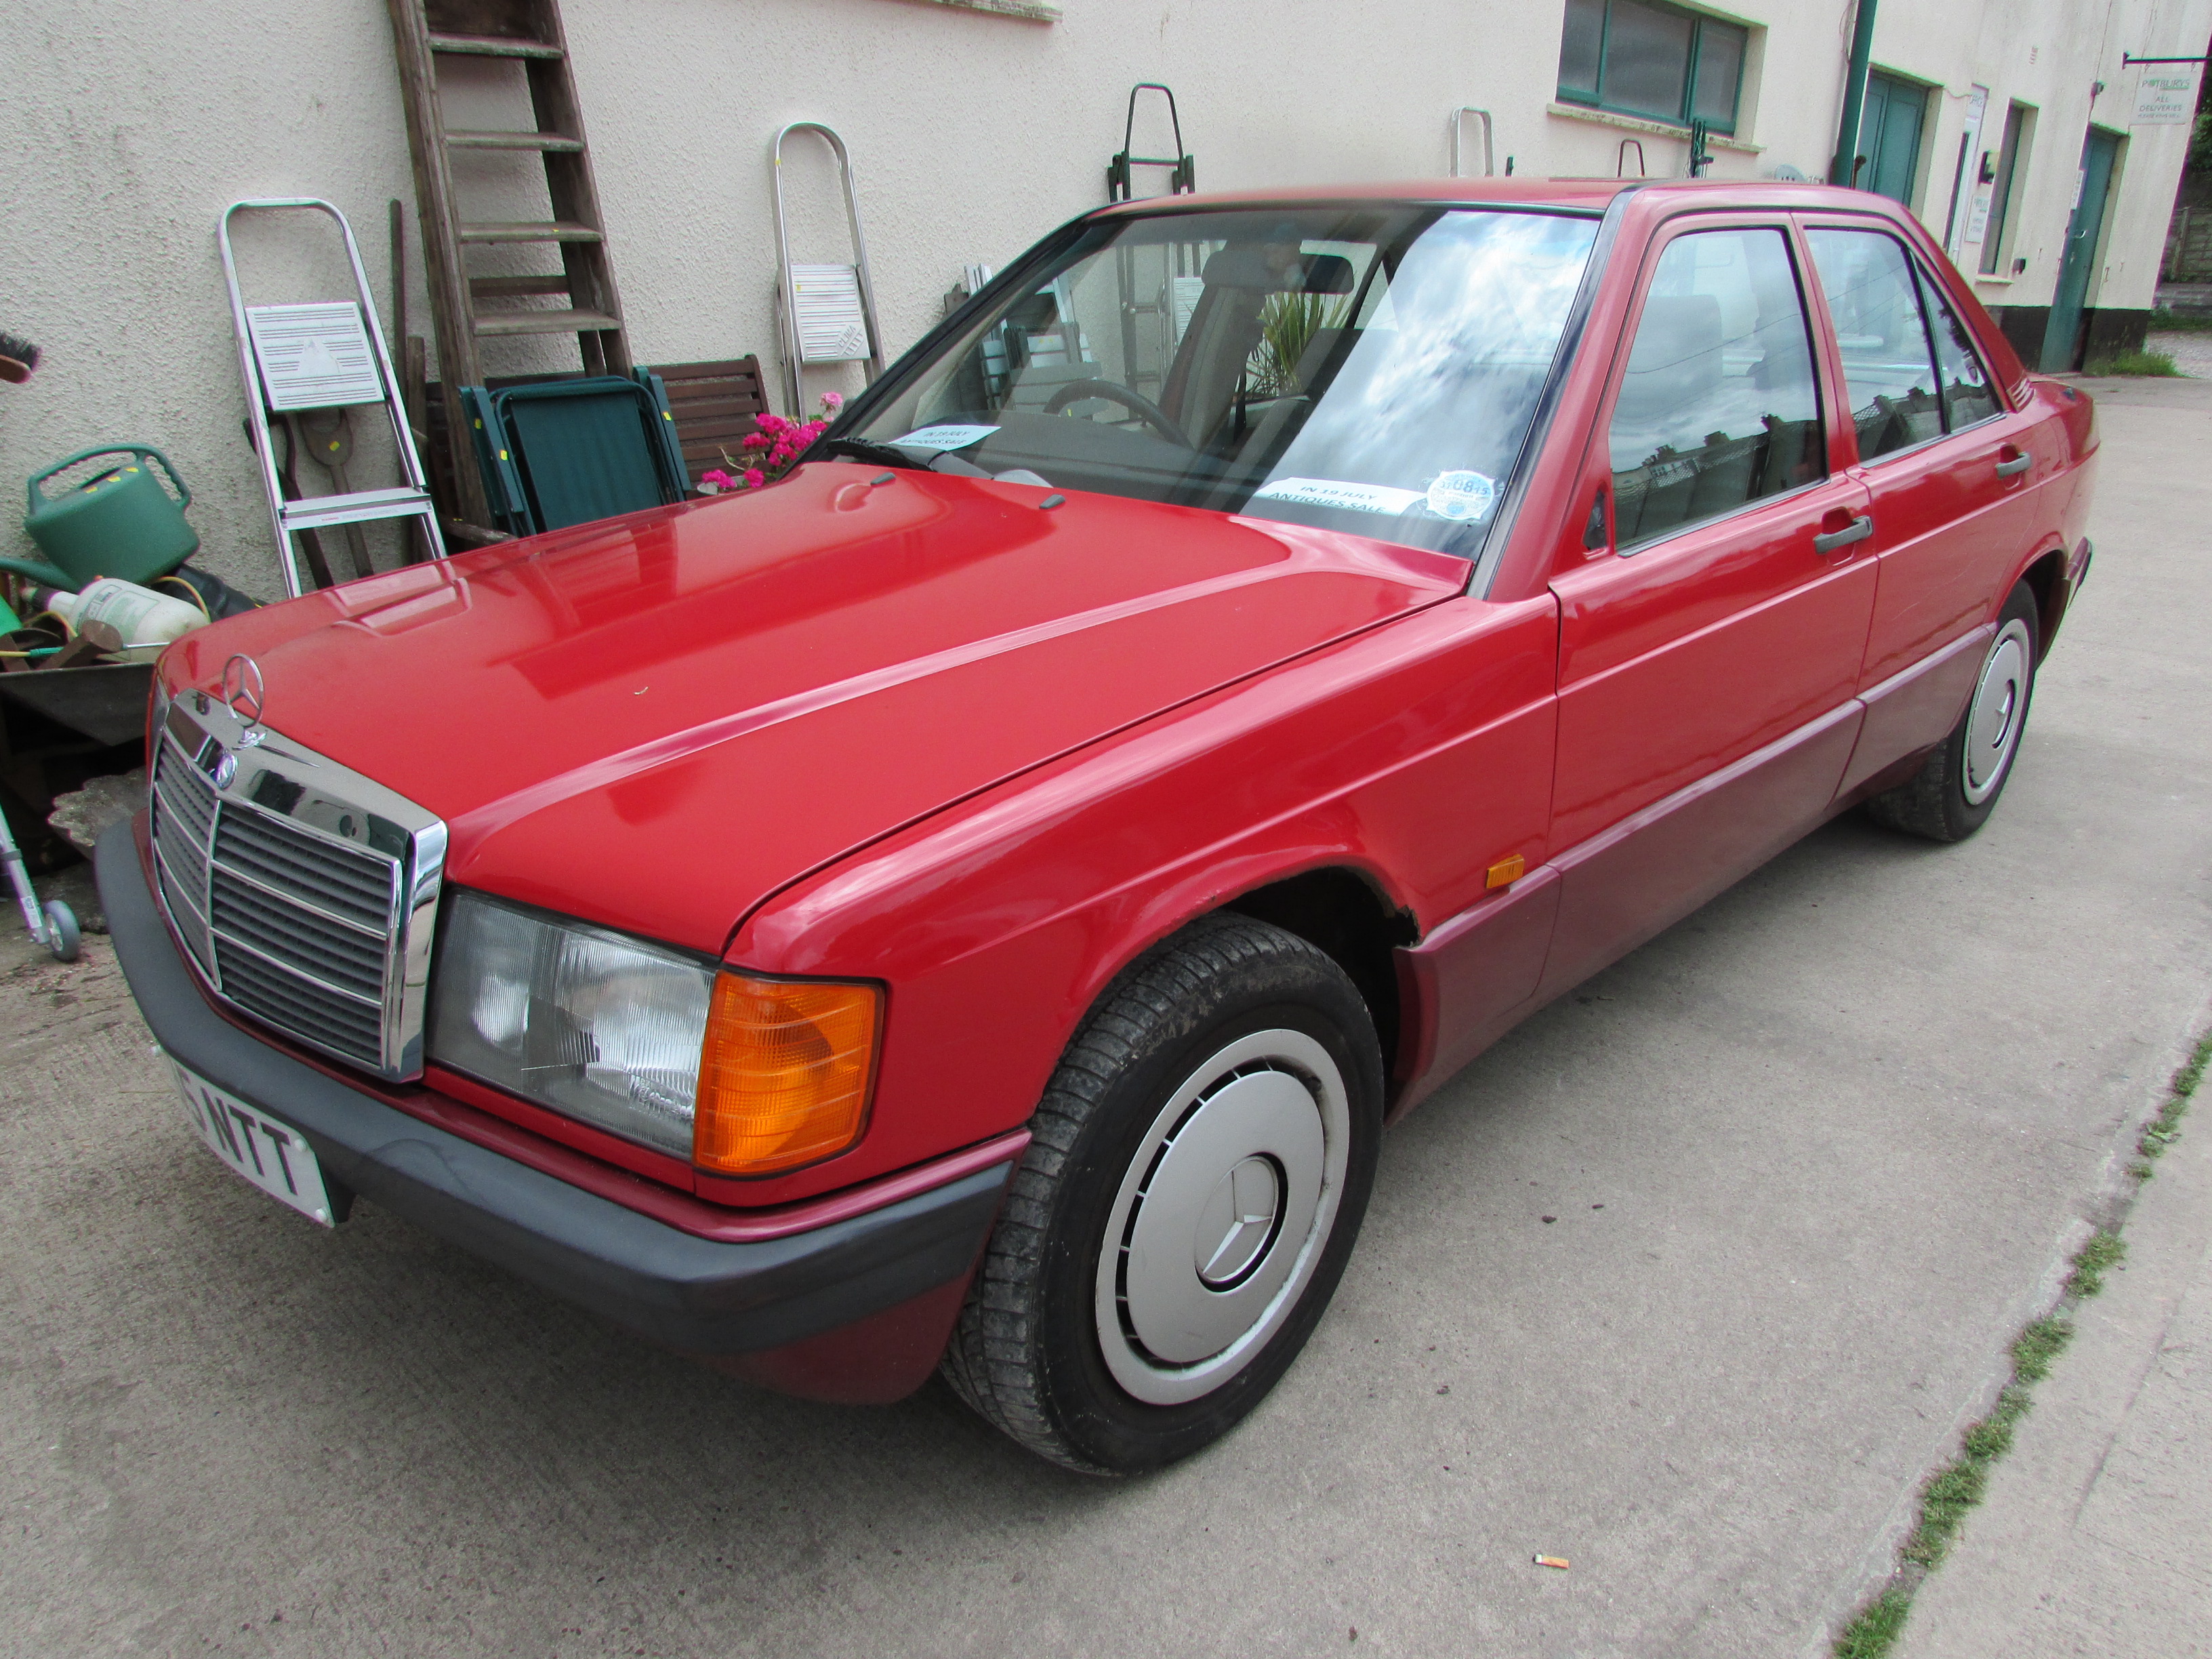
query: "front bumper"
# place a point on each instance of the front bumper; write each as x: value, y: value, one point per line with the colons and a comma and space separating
x: 845, y: 1311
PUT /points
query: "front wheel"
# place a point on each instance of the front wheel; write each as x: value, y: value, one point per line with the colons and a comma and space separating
x: 1956, y: 789
x: 1202, y: 1160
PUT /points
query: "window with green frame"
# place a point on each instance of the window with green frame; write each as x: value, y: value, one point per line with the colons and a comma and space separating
x: 1636, y: 58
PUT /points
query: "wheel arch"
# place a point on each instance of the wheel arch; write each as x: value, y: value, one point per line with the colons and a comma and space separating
x: 1343, y: 911
x: 2046, y: 576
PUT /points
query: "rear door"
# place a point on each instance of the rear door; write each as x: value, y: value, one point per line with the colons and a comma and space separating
x: 1712, y: 642
x: 1949, y: 469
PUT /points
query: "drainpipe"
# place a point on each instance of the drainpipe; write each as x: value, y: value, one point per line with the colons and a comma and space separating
x: 1845, y: 166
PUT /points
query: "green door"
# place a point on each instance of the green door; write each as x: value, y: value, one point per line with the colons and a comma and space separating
x: 1889, y: 136
x: 2100, y: 150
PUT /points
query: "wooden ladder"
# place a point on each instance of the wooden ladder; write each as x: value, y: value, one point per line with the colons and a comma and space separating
x: 468, y: 310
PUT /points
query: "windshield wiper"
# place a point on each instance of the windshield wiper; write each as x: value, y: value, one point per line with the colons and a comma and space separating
x: 861, y: 449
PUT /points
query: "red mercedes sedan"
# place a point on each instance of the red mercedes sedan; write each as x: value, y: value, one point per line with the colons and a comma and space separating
x: 975, y: 904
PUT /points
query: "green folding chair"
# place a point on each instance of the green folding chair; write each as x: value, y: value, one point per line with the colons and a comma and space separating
x: 560, y: 452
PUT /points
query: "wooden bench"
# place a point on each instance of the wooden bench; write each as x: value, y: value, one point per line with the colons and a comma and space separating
x: 717, y: 406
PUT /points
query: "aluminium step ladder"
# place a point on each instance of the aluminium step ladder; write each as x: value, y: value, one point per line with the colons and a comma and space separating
x: 322, y: 356
x: 1457, y: 122
x: 525, y: 36
x: 826, y: 313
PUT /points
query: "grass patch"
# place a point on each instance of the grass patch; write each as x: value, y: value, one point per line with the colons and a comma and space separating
x: 2156, y: 364
x: 1951, y: 1493
x: 2034, y: 1348
x: 2103, y: 1250
x: 1875, y: 1629
x: 2164, y: 1129
x: 2171, y: 322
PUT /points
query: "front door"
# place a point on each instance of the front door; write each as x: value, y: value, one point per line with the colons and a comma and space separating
x: 1709, y: 650
x: 2061, y: 338
x: 1889, y: 136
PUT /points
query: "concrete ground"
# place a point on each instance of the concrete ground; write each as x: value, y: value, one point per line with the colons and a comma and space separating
x: 2092, y: 1540
x: 2190, y: 349
x: 1690, y: 1281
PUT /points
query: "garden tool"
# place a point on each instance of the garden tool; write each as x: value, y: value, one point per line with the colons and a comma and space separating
x: 54, y: 927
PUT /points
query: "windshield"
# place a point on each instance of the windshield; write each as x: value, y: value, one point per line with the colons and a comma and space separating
x: 1366, y: 368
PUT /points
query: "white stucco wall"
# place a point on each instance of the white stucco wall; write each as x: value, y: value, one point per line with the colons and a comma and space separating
x: 131, y: 123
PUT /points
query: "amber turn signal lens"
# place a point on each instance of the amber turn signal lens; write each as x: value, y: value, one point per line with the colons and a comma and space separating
x: 785, y: 1074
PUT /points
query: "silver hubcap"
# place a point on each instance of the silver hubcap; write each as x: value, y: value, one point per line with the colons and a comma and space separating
x: 1993, y: 724
x: 1221, y: 1218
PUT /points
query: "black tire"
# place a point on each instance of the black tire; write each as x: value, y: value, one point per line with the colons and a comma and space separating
x: 1945, y: 800
x: 1028, y: 1353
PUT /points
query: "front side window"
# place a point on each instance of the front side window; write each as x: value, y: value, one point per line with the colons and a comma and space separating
x: 1888, y: 370
x: 1367, y: 368
x: 1652, y: 60
x: 1717, y: 407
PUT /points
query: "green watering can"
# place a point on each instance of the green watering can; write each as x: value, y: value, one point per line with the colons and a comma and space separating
x: 121, y: 523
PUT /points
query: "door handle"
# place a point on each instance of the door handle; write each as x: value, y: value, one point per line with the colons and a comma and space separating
x: 1857, y: 530
x: 2016, y: 465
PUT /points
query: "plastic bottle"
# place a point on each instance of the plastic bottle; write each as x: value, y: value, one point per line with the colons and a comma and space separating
x: 147, y: 621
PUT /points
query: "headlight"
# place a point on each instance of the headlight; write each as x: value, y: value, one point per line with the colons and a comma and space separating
x: 739, y: 1074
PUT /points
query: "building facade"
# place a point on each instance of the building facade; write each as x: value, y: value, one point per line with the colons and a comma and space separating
x: 2015, y: 129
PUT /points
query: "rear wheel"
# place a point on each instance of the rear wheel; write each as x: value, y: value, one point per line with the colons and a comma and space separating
x: 1202, y: 1162
x: 1956, y: 789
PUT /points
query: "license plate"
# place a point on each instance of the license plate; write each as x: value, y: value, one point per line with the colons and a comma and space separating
x: 272, y: 1155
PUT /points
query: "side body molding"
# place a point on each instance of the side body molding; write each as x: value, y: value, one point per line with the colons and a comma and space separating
x: 1469, y: 982
x: 1475, y: 976
x: 1916, y: 709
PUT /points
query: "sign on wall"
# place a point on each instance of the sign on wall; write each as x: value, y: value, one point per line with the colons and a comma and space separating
x: 1961, y: 229
x: 2166, y: 96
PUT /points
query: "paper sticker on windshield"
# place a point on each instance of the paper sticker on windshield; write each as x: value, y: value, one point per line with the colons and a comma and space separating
x: 1332, y: 492
x: 1462, y: 495
x: 945, y: 438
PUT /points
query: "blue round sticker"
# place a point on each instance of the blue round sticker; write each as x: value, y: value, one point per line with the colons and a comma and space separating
x: 1461, y: 495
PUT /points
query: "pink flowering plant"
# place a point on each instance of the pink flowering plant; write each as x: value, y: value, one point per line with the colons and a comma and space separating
x: 770, y: 451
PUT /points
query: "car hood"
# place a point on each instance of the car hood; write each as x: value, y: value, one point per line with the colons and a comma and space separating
x: 655, y: 721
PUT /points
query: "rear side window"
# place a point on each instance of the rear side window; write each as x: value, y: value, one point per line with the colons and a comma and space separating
x: 1968, y: 395
x: 1717, y: 407
x: 1888, y: 370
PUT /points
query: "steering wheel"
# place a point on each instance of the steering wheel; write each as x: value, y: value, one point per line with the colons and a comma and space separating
x: 1074, y: 392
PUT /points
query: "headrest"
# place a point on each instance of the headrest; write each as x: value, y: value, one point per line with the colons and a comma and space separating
x: 1676, y: 359
x: 1246, y: 266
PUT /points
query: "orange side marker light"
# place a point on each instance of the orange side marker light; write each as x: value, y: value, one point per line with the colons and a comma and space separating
x: 1505, y: 873
x: 786, y: 1073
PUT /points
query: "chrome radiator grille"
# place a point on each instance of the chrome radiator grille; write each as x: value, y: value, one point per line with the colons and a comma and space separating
x: 305, y: 892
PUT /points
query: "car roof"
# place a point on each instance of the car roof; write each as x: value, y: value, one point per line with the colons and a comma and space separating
x: 1586, y: 194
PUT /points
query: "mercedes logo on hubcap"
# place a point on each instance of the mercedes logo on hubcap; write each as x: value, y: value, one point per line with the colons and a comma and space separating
x: 1238, y: 1223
